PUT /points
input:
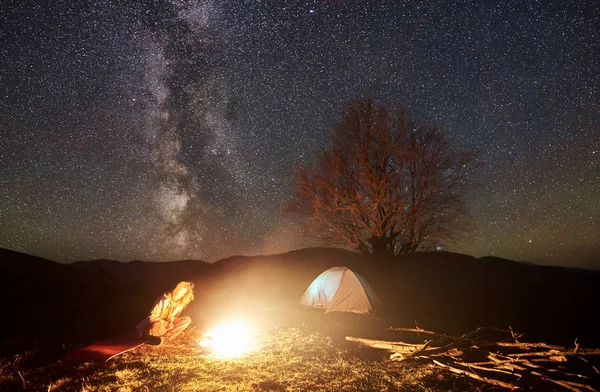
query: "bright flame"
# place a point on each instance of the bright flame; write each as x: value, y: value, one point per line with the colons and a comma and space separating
x: 229, y: 340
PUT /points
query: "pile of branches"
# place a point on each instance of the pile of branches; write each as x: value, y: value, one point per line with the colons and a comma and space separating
x: 497, y: 357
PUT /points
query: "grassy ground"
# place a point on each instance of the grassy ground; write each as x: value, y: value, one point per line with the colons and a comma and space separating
x: 290, y: 356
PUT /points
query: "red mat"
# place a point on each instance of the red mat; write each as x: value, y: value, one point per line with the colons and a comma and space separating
x: 101, y: 352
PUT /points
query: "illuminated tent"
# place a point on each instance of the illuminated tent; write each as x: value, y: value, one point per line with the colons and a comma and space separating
x: 339, y: 289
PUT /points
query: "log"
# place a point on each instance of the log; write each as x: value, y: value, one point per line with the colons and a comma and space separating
x: 573, y: 386
x: 530, y: 345
x: 488, y: 369
x: 466, y: 338
x: 586, y: 361
x: 508, y: 365
x: 548, y: 354
x: 567, y: 373
x: 490, y: 381
x: 398, y: 347
x: 508, y: 357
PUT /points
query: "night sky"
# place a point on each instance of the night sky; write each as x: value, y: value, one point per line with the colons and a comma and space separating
x: 162, y: 130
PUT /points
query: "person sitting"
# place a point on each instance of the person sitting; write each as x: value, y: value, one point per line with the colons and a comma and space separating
x: 165, y: 323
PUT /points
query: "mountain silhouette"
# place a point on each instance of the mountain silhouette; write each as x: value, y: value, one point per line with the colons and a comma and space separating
x: 447, y: 292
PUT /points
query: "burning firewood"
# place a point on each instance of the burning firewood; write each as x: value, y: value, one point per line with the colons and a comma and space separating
x: 503, y: 361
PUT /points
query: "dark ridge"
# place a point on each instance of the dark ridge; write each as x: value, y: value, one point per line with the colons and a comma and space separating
x: 442, y: 291
x: 20, y: 265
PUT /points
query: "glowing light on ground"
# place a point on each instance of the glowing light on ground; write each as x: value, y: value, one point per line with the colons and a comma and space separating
x: 229, y: 340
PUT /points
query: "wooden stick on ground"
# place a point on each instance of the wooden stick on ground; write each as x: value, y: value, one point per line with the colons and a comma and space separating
x: 573, y: 386
x: 499, y: 358
x: 398, y: 347
x: 488, y: 369
x: 491, y: 381
x: 588, y: 362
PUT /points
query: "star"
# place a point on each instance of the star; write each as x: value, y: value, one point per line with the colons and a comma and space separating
x: 171, y: 130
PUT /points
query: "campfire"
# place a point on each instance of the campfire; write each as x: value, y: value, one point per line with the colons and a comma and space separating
x: 229, y: 340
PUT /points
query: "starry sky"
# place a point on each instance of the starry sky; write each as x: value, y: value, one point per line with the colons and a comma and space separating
x: 170, y: 129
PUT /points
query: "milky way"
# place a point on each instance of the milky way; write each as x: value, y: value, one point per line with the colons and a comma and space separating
x: 170, y: 129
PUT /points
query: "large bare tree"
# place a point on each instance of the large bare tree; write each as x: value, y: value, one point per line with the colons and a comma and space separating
x: 388, y: 185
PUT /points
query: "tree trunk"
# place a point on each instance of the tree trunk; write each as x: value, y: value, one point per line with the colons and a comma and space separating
x: 407, y: 248
x: 380, y: 247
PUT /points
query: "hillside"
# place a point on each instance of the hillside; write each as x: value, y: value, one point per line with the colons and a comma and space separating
x: 443, y: 291
x: 18, y: 265
x: 51, y: 300
x: 454, y: 293
x: 159, y: 275
x: 447, y: 292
